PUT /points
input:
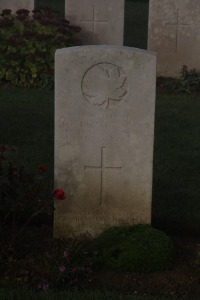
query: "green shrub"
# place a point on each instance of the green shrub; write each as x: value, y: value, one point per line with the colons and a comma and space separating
x: 138, y: 248
x: 190, y: 80
x: 28, y: 46
x: 169, y: 85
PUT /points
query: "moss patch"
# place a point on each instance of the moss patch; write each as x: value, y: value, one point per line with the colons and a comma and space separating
x: 138, y: 248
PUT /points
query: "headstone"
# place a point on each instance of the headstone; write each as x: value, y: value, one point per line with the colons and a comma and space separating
x: 104, y: 132
x: 14, y: 5
x: 101, y: 21
x: 174, y: 33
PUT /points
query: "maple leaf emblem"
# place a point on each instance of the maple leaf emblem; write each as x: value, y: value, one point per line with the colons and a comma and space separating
x: 104, y: 85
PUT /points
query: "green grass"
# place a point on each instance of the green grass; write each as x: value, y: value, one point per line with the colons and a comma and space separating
x: 27, y: 122
x: 176, y: 186
x: 28, y: 295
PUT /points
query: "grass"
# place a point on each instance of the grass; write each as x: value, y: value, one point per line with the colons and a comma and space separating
x: 24, y: 295
x: 27, y: 118
x: 176, y: 186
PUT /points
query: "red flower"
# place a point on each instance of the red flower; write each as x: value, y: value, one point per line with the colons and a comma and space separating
x: 59, y: 194
x: 2, y: 148
x: 42, y: 169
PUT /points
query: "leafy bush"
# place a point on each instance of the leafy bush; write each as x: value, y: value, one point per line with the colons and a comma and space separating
x: 138, y: 248
x: 190, y: 80
x: 28, y: 46
x: 171, y: 85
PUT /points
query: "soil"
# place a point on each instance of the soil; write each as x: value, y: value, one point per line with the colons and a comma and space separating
x: 36, y: 251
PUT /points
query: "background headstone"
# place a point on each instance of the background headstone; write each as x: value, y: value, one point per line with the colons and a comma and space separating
x: 104, y: 129
x: 101, y: 21
x: 174, y: 33
x: 14, y: 5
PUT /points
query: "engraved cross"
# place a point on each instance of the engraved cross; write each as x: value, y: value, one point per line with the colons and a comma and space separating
x: 102, y: 168
x: 178, y: 24
x: 94, y: 21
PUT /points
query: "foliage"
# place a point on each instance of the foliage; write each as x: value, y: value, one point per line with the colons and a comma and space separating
x: 28, y: 46
x: 138, y: 248
x: 190, y: 80
x: 22, y: 196
x: 169, y: 85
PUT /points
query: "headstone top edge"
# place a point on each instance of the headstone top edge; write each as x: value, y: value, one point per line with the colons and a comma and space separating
x: 108, y: 47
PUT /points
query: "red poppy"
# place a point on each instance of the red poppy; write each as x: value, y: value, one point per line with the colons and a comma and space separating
x: 2, y: 148
x: 59, y: 194
x: 42, y: 169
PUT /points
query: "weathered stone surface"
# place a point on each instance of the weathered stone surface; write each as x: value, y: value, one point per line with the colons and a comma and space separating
x: 104, y: 129
x: 102, y: 21
x: 174, y: 33
x: 14, y: 5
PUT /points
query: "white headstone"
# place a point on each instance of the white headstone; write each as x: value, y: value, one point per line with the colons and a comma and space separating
x: 174, y: 33
x: 104, y: 132
x: 101, y: 21
x: 14, y: 5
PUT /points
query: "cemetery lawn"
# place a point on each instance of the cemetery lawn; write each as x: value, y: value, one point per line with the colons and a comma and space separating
x: 27, y: 122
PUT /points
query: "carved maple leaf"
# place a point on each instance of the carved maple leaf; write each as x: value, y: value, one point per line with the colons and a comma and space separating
x: 104, y: 84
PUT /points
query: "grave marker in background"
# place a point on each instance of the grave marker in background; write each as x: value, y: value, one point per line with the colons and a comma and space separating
x: 14, y: 5
x: 174, y: 33
x: 104, y: 129
x: 102, y: 21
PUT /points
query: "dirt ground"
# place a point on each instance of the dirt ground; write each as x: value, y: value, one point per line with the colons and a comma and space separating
x: 36, y: 251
